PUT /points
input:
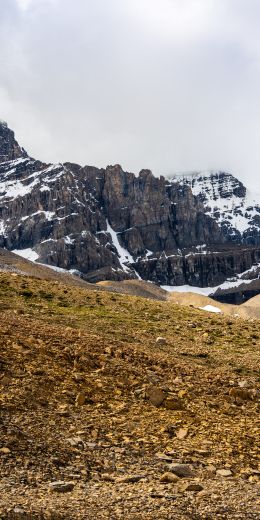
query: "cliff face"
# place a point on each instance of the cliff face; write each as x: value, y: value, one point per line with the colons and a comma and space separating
x: 228, y: 202
x: 9, y: 148
x: 107, y: 223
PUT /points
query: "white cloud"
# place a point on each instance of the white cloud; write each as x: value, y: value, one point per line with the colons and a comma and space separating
x: 172, y: 20
x: 25, y: 4
x: 170, y: 84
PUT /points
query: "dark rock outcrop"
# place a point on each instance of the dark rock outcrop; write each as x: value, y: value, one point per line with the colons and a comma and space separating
x: 9, y: 148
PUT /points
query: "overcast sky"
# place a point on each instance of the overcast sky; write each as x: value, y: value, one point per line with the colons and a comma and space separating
x: 170, y: 85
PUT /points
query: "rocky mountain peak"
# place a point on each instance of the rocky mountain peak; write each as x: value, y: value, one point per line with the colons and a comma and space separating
x: 113, y: 224
x: 117, y: 168
x: 9, y: 147
x: 145, y: 173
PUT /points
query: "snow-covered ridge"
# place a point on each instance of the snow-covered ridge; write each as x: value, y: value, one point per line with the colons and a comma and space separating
x: 176, y: 177
x: 12, y: 187
x: 225, y: 199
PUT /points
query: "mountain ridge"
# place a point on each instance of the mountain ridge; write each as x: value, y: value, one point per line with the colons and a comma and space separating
x: 111, y: 224
x: 228, y: 201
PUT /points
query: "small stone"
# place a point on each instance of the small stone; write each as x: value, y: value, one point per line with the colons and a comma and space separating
x: 75, y: 441
x: 224, y: 472
x: 78, y: 377
x: 74, y: 476
x: 91, y: 445
x: 253, y: 478
x: 163, y: 457
x: 5, y: 450
x: 80, y: 399
x: 161, y: 341
x: 243, y: 384
x: 203, y: 453
x: 131, y: 478
x: 61, y: 487
x: 173, y: 404
x: 182, y: 393
x: 241, y: 394
x: 181, y: 470
x: 94, y: 435
x: 255, y: 472
x: 192, y: 486
x: 177, y: 380
x: 107, y: 477
x: 192, y: 325
x: 182, y: 433
x: 63, y: 411
x: 156, y: 396
x: 169, y: 477
x: 211, y: 469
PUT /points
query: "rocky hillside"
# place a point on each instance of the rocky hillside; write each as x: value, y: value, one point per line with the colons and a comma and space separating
x: 228, y: 201
x: 111, y: 224
x: 118, y: 407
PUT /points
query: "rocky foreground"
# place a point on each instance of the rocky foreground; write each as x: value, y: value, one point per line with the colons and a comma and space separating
x: 119, y: 407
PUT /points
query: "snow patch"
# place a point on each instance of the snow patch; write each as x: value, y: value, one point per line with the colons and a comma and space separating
x: 13, y: 189
x: 188, y: 288
x: 49, y: 240
x: 2, y: 228
x: 210, y: 308
x: 27, y: 253
x: 68, y: 240
x: 48, y: 215
x: 61, y: 269
x: 123, y: 254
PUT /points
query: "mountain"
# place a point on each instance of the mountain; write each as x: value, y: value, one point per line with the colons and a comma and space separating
x: 110, y: 224
x: 228, y: 201
x: 9, y: 148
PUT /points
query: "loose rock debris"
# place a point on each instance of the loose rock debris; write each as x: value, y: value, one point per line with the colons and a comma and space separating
x: 80, y: 435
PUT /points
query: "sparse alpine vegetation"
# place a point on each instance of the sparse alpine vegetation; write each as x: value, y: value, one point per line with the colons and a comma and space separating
x: 116, y: 406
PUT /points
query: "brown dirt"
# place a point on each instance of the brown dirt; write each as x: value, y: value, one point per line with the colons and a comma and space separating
x: 62, y: 345
x: 135, y: 288
x: 199, y: 300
